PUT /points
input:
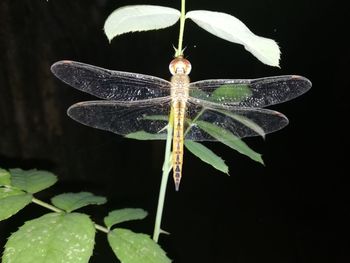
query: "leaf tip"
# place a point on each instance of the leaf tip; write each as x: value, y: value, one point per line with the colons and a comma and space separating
x: 266, y: 50
x: 260, y: 160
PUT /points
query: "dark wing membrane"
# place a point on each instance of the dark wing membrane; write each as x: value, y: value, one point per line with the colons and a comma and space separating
x: 109, y: 84
x: 241, y: 122
x: 255, y: 93
x: 123, y: 118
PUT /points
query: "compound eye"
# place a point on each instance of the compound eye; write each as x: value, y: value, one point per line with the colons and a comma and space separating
x: 180, y: 66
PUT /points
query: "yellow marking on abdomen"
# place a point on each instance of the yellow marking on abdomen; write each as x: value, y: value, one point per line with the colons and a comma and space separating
x: 179, y: 95
x: 178, y: 141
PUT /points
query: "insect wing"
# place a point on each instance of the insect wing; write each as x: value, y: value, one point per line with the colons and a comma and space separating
x: 240, y: 121
x: 124, y: 118
x: 109, y: 84
x: 255, y: 93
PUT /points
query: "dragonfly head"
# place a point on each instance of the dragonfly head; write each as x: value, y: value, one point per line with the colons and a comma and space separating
x: 180, y: 65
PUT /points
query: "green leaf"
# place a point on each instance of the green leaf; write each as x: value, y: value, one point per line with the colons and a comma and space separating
x: 130, y: 247
x: 139, y: 18
x: 54, y: 238
x: 73, y: 201
x: 232, y: 92
x: 32, y: 181
x: 5, y: 177
x: 228, y: 93
x: 12, y: 201
x: 8, y: 191
x: 142, y: 135
x: 230, y: 28
x: 122, y: 215
x: 229, y: 139
x: 206, y: 155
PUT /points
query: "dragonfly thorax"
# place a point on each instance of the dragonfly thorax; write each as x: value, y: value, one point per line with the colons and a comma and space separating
x: 180, y: 65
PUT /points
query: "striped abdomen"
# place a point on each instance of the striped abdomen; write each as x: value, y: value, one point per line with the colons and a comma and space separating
x: 179, y: 108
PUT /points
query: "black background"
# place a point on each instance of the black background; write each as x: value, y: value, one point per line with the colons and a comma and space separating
x: 296, y: 209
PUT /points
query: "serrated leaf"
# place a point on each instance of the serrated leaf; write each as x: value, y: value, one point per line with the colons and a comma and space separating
x: 12, y: 201
x: 139, y: 18
x: 53, y: 238
x: 142, y: 135
x: 4, y: 177
x: 206, y: 155
x: 122, y: 215
x: 32, y: 181
x: 229, y: 139
x: 230, y: 28
x: 130, y: 247
x: 73, y: 201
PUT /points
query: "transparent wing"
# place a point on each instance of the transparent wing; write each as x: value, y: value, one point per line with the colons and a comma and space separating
x: 255, y: 93
x: 109, y: 84
x: 240, y: 121
x: 123, y: 118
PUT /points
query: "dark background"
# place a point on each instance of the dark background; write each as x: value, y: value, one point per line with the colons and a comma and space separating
x: 296, y: 209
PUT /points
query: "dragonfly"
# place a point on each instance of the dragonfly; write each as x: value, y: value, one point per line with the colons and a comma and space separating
x: 134, y: 103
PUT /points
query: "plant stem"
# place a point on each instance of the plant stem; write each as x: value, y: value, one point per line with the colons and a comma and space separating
x: 57, y: 210
x: 102, y: 228
x: 166, y: 170
x: 46, y: 205
x: 167, y: 158
x: 182, y: 29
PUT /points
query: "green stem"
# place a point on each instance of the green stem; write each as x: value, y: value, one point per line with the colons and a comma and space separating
x: 57, y: 210
x: 182, y: 29
x: 102, y: 228
x: 167, y: 158
x: 166, y: 170
x: 46, y: 205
